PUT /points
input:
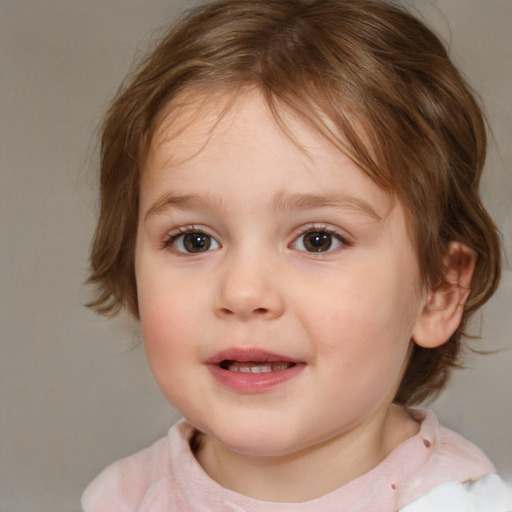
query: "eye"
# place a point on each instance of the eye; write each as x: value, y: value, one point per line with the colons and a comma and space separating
x: 318, y: 241
x: 192, y: 242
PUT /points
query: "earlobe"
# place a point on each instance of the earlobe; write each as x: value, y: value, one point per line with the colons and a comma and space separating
x: 444, y: 305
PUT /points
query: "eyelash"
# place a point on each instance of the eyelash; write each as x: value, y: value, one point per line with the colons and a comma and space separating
x: 318, y: 228
x: 181, y: 232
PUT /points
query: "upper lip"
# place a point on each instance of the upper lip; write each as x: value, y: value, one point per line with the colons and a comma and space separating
x: 244, y: 355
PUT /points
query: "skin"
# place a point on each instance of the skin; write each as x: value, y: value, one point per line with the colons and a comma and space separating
x: 346, y: 314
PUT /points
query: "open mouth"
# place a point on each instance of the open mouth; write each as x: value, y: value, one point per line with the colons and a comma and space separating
x: 250, y: 370
x: 255, y: 366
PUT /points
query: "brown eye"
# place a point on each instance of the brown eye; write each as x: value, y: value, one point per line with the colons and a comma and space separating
x: 318, y: 241
x: 193, y: 242
x: 196, y: 242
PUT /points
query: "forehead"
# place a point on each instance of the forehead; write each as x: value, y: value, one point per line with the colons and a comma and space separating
x: 194, y: 121
x: 201, y: 125
x: 209, y: 141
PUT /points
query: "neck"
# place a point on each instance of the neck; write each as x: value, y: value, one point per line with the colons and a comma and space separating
x: 312, y: 472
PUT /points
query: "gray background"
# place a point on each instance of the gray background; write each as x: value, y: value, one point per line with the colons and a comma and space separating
x: 75, y: 392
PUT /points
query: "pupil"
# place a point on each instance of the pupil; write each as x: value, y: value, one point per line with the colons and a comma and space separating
x: 317, y: 241
x: 196, y: 242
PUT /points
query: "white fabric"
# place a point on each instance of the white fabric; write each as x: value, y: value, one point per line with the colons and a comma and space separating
x: 488, y: 494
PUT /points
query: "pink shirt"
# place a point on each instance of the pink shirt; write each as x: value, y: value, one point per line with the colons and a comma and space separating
x: 166, y: 477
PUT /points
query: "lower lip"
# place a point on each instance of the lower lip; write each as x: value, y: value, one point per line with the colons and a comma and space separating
x: 253, y: 382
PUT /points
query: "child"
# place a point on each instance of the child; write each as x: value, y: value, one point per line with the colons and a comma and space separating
x: 289, y: 203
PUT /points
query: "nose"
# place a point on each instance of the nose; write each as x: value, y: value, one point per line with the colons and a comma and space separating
x: 249, y: 289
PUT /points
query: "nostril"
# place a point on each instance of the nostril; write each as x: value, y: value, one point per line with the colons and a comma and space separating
x: 256, y: 312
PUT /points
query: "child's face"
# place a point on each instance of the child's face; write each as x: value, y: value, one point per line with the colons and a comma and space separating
x: 278, y: 287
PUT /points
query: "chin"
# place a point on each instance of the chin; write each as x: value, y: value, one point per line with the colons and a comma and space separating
x: 272, y: 441
x: 258, y: 448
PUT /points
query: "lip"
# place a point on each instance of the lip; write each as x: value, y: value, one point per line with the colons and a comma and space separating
x: 252, y: 382
x: 244, y: 355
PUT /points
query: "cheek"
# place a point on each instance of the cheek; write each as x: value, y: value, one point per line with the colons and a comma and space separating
x: 164, y: 328
x: 368, y: 317
x: 162, y: 304
x: 167, y: 349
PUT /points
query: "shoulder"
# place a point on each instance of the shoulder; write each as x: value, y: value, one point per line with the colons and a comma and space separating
x: 123, y: 485
x: 451, y: 458
x: 126, y: 484
x: 454, y: 455
x: 488, y: 494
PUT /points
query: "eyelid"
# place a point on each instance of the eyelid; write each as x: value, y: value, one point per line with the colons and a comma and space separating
x: 174, y: 234
x: 322, y: 228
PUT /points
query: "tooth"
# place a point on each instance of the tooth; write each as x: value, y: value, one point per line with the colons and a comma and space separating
x: 261, y: 369
x: 258, y: 367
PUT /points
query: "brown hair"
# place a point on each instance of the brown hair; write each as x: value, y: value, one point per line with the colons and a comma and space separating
x: 367, y: 75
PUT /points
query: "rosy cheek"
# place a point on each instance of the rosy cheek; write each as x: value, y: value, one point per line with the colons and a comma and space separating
x: 155, y: 327
x: 165, y: 330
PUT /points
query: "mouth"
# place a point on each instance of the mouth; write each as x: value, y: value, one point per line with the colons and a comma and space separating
x: 250, y: 370
x: 255, y: 366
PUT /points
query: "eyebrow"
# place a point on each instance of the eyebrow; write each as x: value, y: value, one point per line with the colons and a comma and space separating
x: 297, y: 202
x: 184, y: 202
x: 282, y: 202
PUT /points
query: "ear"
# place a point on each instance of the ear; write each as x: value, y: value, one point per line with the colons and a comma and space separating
x: 444, y: 306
